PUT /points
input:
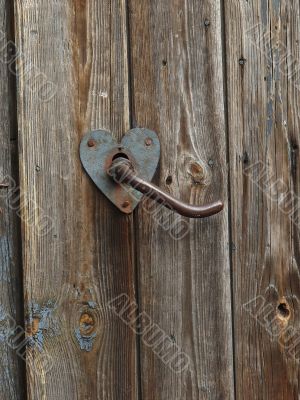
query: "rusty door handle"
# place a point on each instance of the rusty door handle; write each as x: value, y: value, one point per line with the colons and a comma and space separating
x: 122, y: 172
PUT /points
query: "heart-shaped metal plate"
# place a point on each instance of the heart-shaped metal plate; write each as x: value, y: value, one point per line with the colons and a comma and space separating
x: 97, y: 151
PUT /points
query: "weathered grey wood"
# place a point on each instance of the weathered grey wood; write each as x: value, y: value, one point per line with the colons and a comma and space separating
x: 262, y: 47
x: 85, y: 258
x: 11, y: 366
x: 184, y: 284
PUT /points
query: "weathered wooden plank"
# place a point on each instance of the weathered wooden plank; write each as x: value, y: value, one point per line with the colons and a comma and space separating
x: 263, y: 104
x: 80, y: 256
x: 184, y: 277
x: 11, y: 366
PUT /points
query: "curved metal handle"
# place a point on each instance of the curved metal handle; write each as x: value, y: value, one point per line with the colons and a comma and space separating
x: 122, y: 171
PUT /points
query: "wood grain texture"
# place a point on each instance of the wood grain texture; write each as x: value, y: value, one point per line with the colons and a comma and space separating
x: 184, y: 280
x: 262, y: 47
x: 80, y: 257
x: 11, y: 366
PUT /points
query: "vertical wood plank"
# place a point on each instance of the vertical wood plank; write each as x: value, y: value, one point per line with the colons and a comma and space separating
x: 262, y: 45
x: 73, y: 77
x: 184, y: 276
x: 12, y: 367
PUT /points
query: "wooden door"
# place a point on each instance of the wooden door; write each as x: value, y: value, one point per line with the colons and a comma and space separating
x: 96, y: 304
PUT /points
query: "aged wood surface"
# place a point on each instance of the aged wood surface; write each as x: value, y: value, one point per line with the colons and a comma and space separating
x: 163, y: 65
x: 11, y: 366
x: 262, y: 47
x: 77, y: 248
x: 184, y: 280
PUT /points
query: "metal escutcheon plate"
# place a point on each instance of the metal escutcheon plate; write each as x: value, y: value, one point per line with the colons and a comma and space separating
x: 97, y: 151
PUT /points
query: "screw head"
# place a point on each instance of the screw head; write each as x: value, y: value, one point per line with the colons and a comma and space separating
x: 91, y: 143
x: 126, y: 204
x: 148, y: 141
